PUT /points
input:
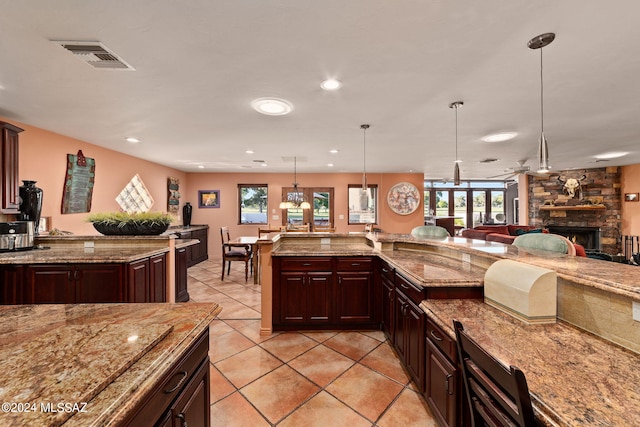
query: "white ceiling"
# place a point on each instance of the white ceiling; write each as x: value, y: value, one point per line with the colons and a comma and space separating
x: 199, y: 64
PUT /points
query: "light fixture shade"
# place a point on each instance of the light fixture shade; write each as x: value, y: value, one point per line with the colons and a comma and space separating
x: 456, y: 174
x: 543, y: 155
x: 286, y: 205
x: 456, y: 168
x: 305, y: 205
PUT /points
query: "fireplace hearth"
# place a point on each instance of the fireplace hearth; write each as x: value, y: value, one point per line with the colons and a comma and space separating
x: 588, y: 237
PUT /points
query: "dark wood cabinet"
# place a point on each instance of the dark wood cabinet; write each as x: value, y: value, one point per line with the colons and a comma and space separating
x: 146, y: 279
x: 71, y: 284
x: 410, y: 328
x: 200, y: 251
x: 355, y: 296
x: 182, y: 396
x: 182, y: 294
x: 388, y: 300
x: 192, y: 404
x: 10, y: 283
x: 139, y: 281
x: 324, y: 292
x: 443, y: 391
x: 304, y: 292
x: 10, y: 202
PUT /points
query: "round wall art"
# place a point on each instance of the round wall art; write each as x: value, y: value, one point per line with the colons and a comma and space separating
x: 403, y: 198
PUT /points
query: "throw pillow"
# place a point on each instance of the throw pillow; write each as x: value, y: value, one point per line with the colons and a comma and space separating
x: 521, y: 231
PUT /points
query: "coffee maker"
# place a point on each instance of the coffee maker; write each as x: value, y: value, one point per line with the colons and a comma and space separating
x: 16, y: 235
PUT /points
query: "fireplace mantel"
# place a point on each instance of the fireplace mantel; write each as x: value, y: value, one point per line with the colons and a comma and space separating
x: 572, y: 208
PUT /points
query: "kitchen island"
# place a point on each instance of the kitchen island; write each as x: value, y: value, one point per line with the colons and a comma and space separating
x: 88, y: 269
x: 582, y: 368
x: 103, y: 364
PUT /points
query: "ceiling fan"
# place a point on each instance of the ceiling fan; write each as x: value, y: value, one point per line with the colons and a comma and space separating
x: 517, y: 170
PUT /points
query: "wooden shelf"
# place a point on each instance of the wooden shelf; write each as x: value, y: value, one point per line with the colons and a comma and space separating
x: 573, y: 208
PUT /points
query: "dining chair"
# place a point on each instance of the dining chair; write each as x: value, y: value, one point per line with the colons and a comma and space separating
x: 324, y: 228
x: 497, y: 396
x: 235, y: 252
x: 268, y: 230
x: 547, y: 242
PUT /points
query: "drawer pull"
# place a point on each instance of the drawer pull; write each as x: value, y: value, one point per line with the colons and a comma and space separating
x: 183, y: 420
x: 177, y: 386
x: 446, y: 384
x: 355, y: 264
x: 403, y: 286
x: 384, y: 270
x: 306, y: 264
x: 435, y: 336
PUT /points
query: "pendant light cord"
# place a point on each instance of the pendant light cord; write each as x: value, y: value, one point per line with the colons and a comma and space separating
x: 541, y: 95
x: 456, y: 108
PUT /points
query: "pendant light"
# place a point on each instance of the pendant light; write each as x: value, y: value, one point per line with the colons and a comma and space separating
x: 456, y: 167
x: 298, y: 201
x: 539, y: 42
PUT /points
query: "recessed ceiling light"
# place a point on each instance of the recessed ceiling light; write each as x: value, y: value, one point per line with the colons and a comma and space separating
x: 611, y: 155
x: 132, y: 139
x: 248, y: 151
x: 500, y: 137
x: 330, y: 165
x: 334, y: 151
x: 331, y: 84
x: 264, y: 165
x: 272, y: 106
x: 200, y: 166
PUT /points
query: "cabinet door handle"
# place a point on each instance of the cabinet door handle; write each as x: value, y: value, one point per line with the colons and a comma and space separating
x: 177, y: 386
x: 69, y: 275
x: 435, y: 336
x: 446, y: 384
x: 183, y: 420
x: 77, y: 275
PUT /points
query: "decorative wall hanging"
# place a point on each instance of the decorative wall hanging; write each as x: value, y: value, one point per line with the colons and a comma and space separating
x: 403, y: 198
x: 209, y: 198
x: 135, y: 197
x: 631, y: 197
x: 173, y: 201
x: 78, y: 184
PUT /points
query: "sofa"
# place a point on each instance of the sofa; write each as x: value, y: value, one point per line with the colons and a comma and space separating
x: 508, y: 233
x: 500, y: 233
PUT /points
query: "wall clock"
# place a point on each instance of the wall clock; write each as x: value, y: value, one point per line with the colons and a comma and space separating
x: 403, y: 198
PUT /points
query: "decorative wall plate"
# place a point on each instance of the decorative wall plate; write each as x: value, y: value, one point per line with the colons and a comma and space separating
x: 403, y: 198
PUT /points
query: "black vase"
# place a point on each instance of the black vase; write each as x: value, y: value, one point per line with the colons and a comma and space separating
x: 30, y: 203
x: 186, y: 214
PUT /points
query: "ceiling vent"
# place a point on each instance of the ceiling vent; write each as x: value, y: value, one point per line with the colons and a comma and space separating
x: 95, y: 54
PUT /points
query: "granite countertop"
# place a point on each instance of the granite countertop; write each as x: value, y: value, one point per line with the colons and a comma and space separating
x: 428, y: 269
x: 74, y: 255
x: 435, y: 270
x: 585, y: 379
x: 93, y: 360
x: 617, y: 278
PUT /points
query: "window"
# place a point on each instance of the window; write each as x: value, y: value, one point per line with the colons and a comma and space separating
x: 471, y: 203
x: 253, y: 202
x: 363, y: 206
x: 321, y: 212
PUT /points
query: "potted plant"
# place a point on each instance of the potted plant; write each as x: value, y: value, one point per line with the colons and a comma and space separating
x: 123, y: 223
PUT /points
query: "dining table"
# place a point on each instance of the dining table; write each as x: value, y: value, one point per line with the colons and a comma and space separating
x: 253, y: 242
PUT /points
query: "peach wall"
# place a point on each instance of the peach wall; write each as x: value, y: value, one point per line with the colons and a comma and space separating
x: 227, y: 214
x: 630, y: 210
x: 43, y: 158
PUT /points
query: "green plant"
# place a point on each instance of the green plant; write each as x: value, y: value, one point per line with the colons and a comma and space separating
x: 121, y: 219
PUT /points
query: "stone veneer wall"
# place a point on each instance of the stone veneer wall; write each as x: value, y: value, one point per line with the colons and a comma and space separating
x: 601, y: 186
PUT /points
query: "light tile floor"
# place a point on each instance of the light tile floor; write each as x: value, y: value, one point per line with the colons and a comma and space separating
x: 324, y: 378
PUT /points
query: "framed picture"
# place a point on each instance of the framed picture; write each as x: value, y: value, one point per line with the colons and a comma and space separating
x: 403, y: 198
x: 631, y: 197
x: 208, y: 198
x: 44, y: 226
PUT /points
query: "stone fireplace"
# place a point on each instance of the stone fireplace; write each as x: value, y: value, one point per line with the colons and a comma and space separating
x: 592, y: 218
